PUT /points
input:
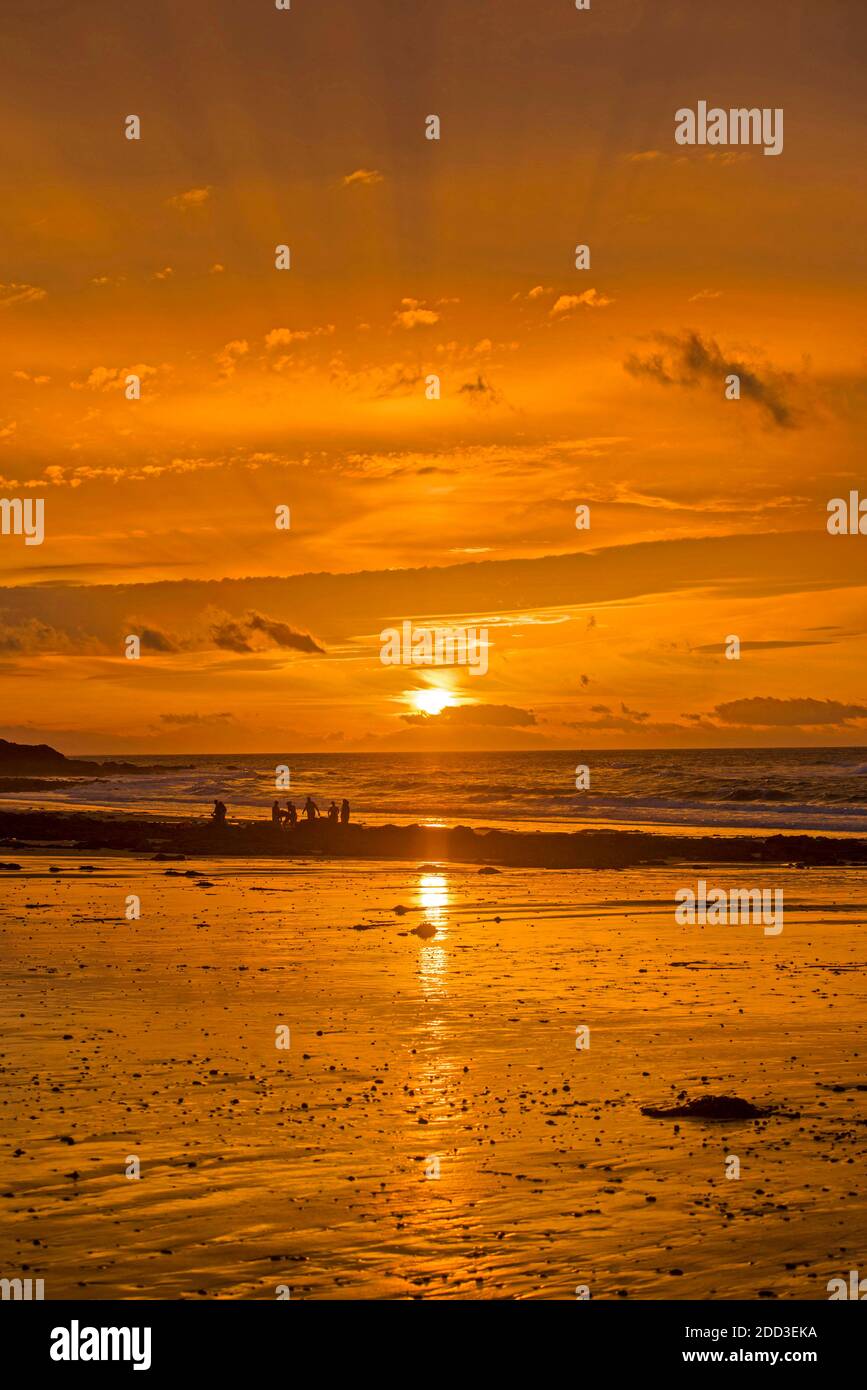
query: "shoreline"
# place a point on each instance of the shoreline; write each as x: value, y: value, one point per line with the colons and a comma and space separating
x: 510, y: 848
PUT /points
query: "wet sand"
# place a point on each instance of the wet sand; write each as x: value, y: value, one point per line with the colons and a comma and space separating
x: 307, y: 1168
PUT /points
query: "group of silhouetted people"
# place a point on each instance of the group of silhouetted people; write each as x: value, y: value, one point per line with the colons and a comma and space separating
x: 289, y: 817
x: 311, y: 812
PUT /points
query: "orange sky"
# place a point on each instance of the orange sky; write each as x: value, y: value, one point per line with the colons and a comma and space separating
x: 411, y: 257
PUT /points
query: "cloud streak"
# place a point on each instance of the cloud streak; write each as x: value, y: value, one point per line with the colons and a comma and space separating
x: 690, y: 361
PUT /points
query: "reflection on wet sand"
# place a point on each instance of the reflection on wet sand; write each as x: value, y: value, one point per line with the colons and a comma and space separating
x: 432, y: 1131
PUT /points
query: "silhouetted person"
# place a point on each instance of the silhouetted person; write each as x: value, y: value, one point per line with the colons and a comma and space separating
x: 344, y: 812
x: 333, y: 813
x: 291, y: 816
x: 311, y: 810
x: 219, y: 816
x: 276, y: 815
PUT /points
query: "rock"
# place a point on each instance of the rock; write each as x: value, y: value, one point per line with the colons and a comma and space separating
x: 425, y: 930
x: 710, y: 1108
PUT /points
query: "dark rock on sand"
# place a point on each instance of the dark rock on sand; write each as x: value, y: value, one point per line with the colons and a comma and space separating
x: 597, y: 849
x: 710, y: 1108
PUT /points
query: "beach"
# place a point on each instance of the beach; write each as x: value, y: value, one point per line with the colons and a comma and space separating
x: 431, y: 1130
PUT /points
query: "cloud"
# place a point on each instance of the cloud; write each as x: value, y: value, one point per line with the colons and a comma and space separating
x: 229, y: 635
x: 643, y: 156
x: 499, y: 716
x: 378, y: 383
x: 705, y: 294
x: 60, y: 475
x: 690, y: 361
x: 32, y: 636
x: 113, y: 378
x: 193, y: 198
x: 13, y: 293
x: 767, y: 711
x: 361, y: 176
x: 413, y: 314
x: 590, y: 299
x: 283, y: 337
x: 394, y: 381
x: 480, y: 390
x: 536, y: 292
x: 165, y: 274
x: 237, y: 634
x: 228, y: 355
x: 185, y: 720
x: 153, y: 639
x: 638, y: 715
x: 281, y: 633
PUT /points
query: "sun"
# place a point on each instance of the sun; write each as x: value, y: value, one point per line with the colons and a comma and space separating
x: 431, y: 700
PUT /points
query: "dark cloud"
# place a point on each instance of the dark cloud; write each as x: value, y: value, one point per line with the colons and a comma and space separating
x: 503, y: 716
x: 690, y: 360
x: 153, y: 639
x: 281, y: 633
x: 238, y: 634
x: 31, y: 637
x: 229, y: 635
x: 398, y: 382
x: 767, y: 710
x: 480, y: 390
x: 638, y: 715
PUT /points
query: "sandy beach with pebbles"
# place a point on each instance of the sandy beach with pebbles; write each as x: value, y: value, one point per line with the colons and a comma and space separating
x: 432, y: 1130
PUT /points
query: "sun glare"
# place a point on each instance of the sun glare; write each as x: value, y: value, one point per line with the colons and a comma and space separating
x: 431, y: 701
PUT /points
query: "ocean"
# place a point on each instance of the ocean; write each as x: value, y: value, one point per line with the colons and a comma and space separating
x: 822, y: 789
